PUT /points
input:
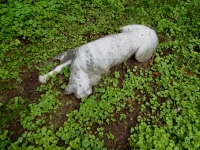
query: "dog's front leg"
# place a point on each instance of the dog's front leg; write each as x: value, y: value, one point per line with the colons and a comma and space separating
x: 65, y: 59
x: 57, y: 69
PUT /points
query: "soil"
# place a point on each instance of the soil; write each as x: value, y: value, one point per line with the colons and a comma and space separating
x: 121, y: 128
x: 27, y: 90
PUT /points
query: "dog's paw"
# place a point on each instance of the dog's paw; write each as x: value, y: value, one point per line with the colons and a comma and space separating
x: 43, y: 78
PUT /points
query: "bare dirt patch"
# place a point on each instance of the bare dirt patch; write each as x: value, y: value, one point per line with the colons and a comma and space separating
x: 26, y: 90
x: 121, y: 128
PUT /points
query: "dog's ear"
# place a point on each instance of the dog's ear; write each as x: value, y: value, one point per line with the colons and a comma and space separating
x: 145, y: 51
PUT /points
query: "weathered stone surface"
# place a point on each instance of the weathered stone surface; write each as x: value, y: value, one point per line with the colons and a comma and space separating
x: 95, y: 58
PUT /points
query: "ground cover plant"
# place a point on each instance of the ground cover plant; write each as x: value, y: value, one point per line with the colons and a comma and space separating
x: 150, y: 105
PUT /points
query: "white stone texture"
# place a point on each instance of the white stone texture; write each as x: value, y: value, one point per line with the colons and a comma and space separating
x: 95, y: 58
x: 58, y: 69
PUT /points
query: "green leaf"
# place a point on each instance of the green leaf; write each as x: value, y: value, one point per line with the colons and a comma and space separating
x: 4, y: 135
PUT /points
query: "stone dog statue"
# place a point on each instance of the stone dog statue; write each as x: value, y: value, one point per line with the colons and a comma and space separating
x: 89, y: 61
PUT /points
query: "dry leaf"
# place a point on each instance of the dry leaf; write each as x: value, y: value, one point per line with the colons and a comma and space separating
x: 156, y: 74
x: 130, y: 101
x: 152, y: 59
x: 23, y: 67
